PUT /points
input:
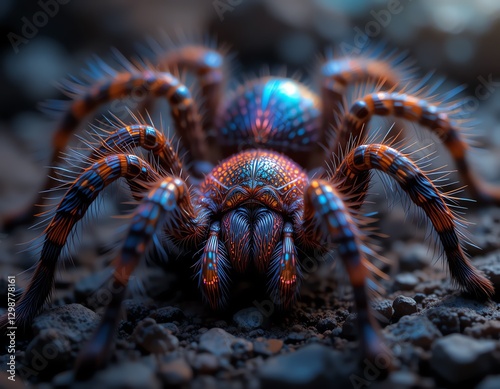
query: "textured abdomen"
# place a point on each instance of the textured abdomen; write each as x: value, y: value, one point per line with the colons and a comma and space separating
x: 272, y: 113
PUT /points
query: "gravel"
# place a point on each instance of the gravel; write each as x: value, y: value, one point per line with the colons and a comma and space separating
x: 403, y: 306
x: 457, y: 358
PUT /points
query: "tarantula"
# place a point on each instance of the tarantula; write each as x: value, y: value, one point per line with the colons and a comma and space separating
x: 258, y: 210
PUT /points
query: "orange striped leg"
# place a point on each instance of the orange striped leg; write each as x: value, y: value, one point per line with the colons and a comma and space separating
x: 207, y: 64
x: 70, y: 210
x: 167, y: 204
x: 338, y: 74
x: 327, y: 220
x: 426, y: 196
x: 184, y: 113
x: 424, y: 113
x: 284, y: 270
x: 147, y: 137
x: 183, y: 108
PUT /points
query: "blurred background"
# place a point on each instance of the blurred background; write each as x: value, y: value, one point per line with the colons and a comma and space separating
x: 45, y: 41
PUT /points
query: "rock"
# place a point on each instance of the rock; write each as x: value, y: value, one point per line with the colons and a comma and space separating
x: 267, y: 347
x: 457, y: 358
x: 295, y: 337
x: 174, y: 330
x: 220, y: 343
x: 418, y: 330
x: 492, y: 271
x: 136, y: 310
x: 313, y: 366
x: 404, y: 306
x: 241, y: 348
x: 325, y: 324
x: 205, y: 363
x: 75, y: 321
x: 446, y: 320
x: 248, y: 319
x: 175, y: 372
x: 153, y: 338
x: 168, y: 314
x: 490, y: 329
x: 490, y: 382
x: 384, y: 309
x: 49, y: 353
x: 405, y: 281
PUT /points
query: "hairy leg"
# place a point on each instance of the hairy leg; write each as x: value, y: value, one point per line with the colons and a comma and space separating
x: 419, y: 111
x: 82, y: 192
x: 327, y: 220
x: 167, y: 204
x: 351, y: 177
x: 208, y: 66
x: 145, y: 136
x: 116, y: 86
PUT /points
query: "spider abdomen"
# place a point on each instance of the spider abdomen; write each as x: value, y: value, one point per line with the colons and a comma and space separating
x: 272, y: 113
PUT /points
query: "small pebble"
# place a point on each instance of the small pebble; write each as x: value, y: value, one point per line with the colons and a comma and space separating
x: 248, y: 319
x: 384, y: 308
x: 313, y: 366
x: 327, y: 323
x: 167, y: 314
x: 175, y: 372
x: 267, y: 347
x: 153, y: 338
x: 205, y: 363
x: 417, y: 330
x: 403, y: 306
x: 220, y: 343
x: 405, y: 281
x: 457, y: 358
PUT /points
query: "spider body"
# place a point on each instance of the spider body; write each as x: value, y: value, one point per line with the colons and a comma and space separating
x: 257, y: 197
x: 260, y: 209
x: 275, y: 113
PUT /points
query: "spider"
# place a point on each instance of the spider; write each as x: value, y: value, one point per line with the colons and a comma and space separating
x: 263, y: 207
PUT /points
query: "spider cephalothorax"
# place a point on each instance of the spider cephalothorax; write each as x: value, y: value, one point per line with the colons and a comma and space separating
x: 259, y: 210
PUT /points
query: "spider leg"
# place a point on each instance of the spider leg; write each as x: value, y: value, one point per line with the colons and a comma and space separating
x: 328, y: 219
x: 167, y: 204
x: 339, y: 73
x: 424, y: 113
x: 351, y: 174
x: 183, y: 109
x: 83, y: 191
x: 145, y: 136
x: 208, y: 66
